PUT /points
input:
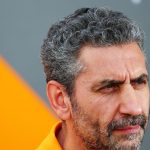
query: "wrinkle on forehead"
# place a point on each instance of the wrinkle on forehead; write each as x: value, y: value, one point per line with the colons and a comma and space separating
x: 121, y: 62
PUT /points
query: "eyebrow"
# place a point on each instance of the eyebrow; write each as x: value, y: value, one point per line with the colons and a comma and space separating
x: 142, y: 76
x: 106, y: 82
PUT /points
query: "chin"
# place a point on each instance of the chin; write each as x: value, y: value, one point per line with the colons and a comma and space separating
x: 127, y: 142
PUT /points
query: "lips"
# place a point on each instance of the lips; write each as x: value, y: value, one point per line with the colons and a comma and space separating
x: 128, y: 129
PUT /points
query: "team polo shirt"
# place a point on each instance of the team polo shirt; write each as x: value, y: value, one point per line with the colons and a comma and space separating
x: 51, y: 142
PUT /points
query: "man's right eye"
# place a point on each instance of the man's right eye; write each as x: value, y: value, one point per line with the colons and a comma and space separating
x: 110, y: 88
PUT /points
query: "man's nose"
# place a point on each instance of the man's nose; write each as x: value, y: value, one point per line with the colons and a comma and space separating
x: 129, y: 102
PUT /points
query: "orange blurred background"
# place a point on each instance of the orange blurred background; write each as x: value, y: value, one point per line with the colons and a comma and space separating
x: 24, y: 119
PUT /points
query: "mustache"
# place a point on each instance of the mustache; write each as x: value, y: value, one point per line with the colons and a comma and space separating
x: 140, y: 120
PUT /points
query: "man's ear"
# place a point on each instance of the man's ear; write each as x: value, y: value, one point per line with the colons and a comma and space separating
x: 59, y: 99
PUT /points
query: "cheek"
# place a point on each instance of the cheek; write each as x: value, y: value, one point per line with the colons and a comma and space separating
x: 103, y: 108
x: 109, y: 109
x: 144, y: 100
x: 99, y: 107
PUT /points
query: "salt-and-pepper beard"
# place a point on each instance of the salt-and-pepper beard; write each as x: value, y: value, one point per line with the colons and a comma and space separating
x: 96, y: 138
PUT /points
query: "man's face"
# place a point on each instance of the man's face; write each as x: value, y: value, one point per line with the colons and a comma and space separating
x: 111, y: 98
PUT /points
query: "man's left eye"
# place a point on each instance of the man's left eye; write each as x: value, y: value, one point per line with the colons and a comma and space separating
x: 139, y: 83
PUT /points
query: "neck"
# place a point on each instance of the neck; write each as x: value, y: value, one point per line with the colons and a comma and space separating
x: 68, y: 138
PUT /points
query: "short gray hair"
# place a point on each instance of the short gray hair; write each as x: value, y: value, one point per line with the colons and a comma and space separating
x: 95, y: 26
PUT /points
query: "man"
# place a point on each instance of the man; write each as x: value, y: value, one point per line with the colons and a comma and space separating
x: 97, y: 82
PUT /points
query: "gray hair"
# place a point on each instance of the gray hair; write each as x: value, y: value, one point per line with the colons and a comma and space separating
x: 93, y: 26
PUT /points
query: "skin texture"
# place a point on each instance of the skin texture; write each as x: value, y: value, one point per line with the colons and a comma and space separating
x: 110, y: 105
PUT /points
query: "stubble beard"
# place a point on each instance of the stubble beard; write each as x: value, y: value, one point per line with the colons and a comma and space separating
x: 96, y: 138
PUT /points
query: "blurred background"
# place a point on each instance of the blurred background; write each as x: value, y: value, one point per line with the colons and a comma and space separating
x: 25, y: 114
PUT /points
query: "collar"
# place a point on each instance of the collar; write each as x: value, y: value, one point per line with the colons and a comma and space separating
x: 51, y: 142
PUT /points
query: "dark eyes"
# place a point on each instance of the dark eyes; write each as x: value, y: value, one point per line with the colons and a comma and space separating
x: 109, y: 88
x: 139, y: 83
x: 115, y: 87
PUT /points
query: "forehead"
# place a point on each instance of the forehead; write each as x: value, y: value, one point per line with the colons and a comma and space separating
x: 113, y: 61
